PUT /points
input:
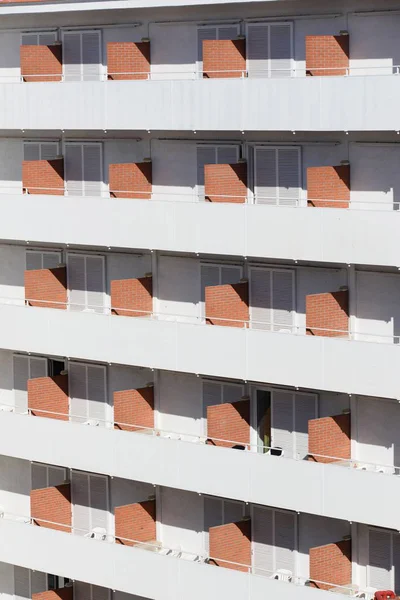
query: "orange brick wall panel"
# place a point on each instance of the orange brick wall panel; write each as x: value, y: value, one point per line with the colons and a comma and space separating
x: 329, y: 437
x: 131, y: 180
x: 327, y: 55
x: 331, y: 565
x: 132, y: 297
x: 46, y: 288
x: 44, y: 61
x: 66, y: 593
x: 134, y: 409
x: 226, y: 183
x: 225, y: 302
x: 128, y: 60
x: 328, y: 187
x: 135, y: 523
x: 224, y: 58
x: 43, y: 177
x: 52, y: 504
x: 229, y: 422
x: 328, y: 314
x: 231, y: 543
x: 49, y: 394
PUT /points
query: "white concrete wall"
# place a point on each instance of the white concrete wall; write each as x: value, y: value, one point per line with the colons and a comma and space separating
x: 373, y: 43
x: 180, y: 407
x: 181, y: 520
x: 11, y: 157
x: 375, y: 180
x: 377, y: 306
x: 15, y: 485
x: 12, y: 260
x: 179, y: 288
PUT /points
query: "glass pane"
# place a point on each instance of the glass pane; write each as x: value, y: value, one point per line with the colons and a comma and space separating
x: 263, y: 399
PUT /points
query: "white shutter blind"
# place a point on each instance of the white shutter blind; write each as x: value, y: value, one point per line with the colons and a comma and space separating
x: 288, y: 176
x: 209, y: 276
x: 31, y: 151
x: 258, y: 50
x: 38, y: 476
x: 233, y: 512
x: 78, y: 392
x: 21, y: 376
x: 260, y: 299
x: 37, y: 367
x: 21, y: 583
x: 285, y: 541
x: 379, y: 568
x: 304, y: 411
x: 281, y: 50
x: 80, y: 500
x: 76, y: 281
x: 282, y: 300
x: 95, y: 284
x: 227, y: 32
x: 206, y: 155
x: 56, y: 475
x: 231, y: 393
x: 91, y: 56
x: 204, y: 33
x: 47, y: 38
x: 48, y: 150
x: 74, y: 169
x: 263, y: 541
x: 92, y: 169
x: 265, y: 176
x: 82, y: 591
x: 72, y: 56
x: 98, y: 502
x: 38, y: 582
x: 230, y: 275
x: 96, y: 381
x: 282, y: 422
x: 50, y: 260
x: 227, y: 155
x: 212, y: 518
x: 33, y: 260
x: 29, y: 39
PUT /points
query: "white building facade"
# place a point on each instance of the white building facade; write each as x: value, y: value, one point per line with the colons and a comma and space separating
x: 199, y: 299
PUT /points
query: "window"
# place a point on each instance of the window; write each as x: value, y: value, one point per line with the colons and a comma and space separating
x: 83, y: 169
x: 44, y: 476
x: 213, y: 32
x: 272, y: 299
x: 27, y: 582
x: 41, y: 150
x: 54, y: 582
x: 24, y: 368
x: 90, y: 502
x: 88, y: 393
x: 39, y: 38
x: 290, y: 413
x: 218, y: 511
x: 82, y: 55
x: 217, y: 275
x: 269, y: 49
x: 383, y: 570
x: 86, y: 282
x: 214, y: 155
x: 277, y: 178
x: 274, y: 543
x: 40, y: 259
x: 215, y: 392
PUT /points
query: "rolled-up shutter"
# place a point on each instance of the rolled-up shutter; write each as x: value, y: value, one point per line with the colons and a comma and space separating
x: 288, y: 184
x: 21, y: 583
x: 277, y: 176
x: 265, y: 176
x: 263, y: 541
x: 41, y: 260
x: 380, y: 563
x: 285, y: 540
x: 227, y: 155
x: 283, y: 300
x: 269, y: 50
x: 47, y: 38
x: 282, y: 422
x: 230, y: 275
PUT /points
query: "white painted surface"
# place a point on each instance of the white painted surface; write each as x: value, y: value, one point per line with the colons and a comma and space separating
x: 179, y: 288
x: 325, y: 490
x: 15, y: 485
x: 13, y: 264
x: 319, y: 234
x: 181, y: 520
x: 180, y: 406
x: 375, y: 179
x: 378, y: 310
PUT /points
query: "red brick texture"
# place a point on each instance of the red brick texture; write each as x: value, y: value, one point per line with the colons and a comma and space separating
x: 331, y: 564
x: 52, y: 504
x: 231, y: 542
x: 229, y: 422
x: 329, y: 436
x: 132, y: 297
x: 328, y: 187
x: 43, y: 177
x: 327, y: 55
x: 224, y: 302
x: 46, y: 287
x: 226, y: 183
x: 45, y: 61
x: 131, y: 180
x: 66, y: 593
x: 49, y: 394
x: 130, y: 58
x: 329, y: 312
x: 134, y: 409
x: 219, y: 56
x: 135, y: 522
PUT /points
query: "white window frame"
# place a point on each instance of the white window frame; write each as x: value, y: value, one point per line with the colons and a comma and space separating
x: 86, y: 308
x: 216, y: 148
x: 107, y: 407
x: 206, y: 380
x: 83, y: 143
x: 220, y: 266
x: 217, y: 26
x: 41, y: 143
x: 42, y: 252
x: 392, y: 570
x: 89, y: 475
x: 48, y: 467
x: 269, y: 24
x: 37, y: 34
x: 80, y: 32
x: 271, y: 269
x: 253, y: 174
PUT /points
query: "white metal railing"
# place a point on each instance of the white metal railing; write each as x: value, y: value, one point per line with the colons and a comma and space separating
x: 179, y: 553
x: 195, y: 198
x: 190, y: 438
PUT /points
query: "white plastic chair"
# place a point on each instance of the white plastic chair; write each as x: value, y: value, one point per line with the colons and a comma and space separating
x: 282, y: 575
x: 92, y: 422
x: 367, y: 593
x: 6, y: 408
x: 97, y: 533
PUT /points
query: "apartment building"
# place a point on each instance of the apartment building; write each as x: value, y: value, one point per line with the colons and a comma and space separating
x: 199, y: 299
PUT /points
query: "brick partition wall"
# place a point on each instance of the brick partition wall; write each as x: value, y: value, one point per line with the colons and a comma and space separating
x: 231, y: 542
x: 331, y: 564
x: 135, y: 522
x: 229, y: 422
x: 328, y: 187
x: 45, y: 61
x: 328, y: 311
x: 52, y: 504
x: 132, y: 295
x: 43, y: 177
x: 46, y: 287
x: 224, y: 302
x: 221, y: 55
x: 131, y: 180
x: 65, y: 593
x: 131, y: 58
x: 226, y: 183
x: 326, y: 52
x: 134, y: 409
x: 329, y: 436
x: 49, y: 394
